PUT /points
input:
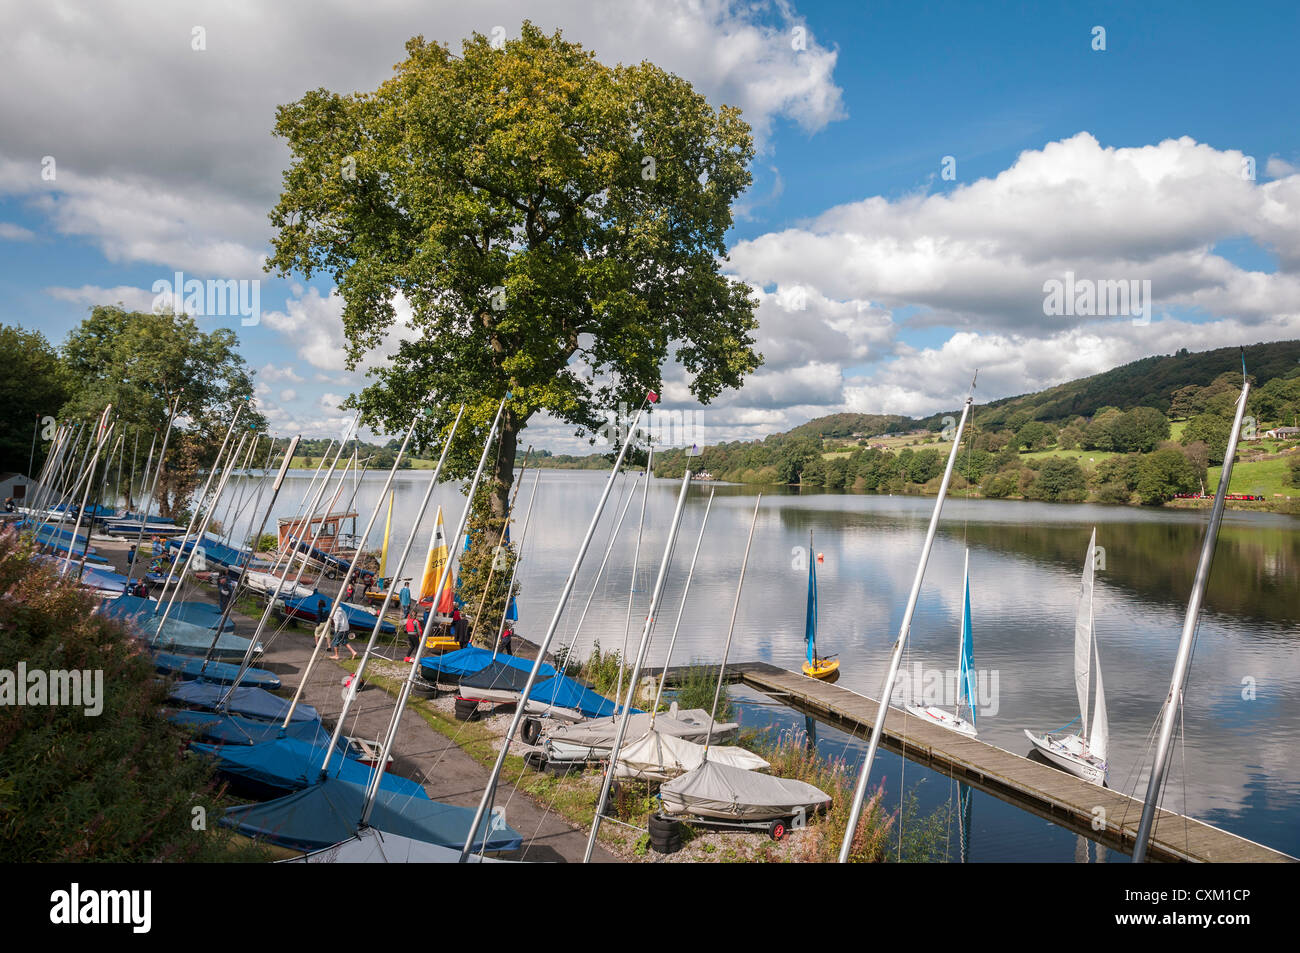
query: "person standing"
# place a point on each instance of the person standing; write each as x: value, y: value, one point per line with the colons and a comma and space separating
x: 223, y: 591
x: 412, y: 636
x: 340, y: 633
x: 404, y: 598
x: 506, y: 635
x: 130, y: 558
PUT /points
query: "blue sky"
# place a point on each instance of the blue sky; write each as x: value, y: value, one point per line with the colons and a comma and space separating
x: 883, y: 284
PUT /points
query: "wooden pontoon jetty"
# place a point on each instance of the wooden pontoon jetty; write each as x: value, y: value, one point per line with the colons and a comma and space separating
x: 1032, y: 785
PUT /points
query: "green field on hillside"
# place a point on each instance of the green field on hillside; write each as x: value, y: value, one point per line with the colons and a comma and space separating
x: 1266, y: 478
x: 1085, y: 457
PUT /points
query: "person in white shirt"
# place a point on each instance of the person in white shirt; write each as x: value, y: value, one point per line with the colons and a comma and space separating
x: 340, y: 620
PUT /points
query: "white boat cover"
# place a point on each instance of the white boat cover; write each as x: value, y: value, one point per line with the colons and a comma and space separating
x: 371, y: 846
x: 593, y: 739
x: 660, y: 757
x: 730, y: 793
x: 264, y: 582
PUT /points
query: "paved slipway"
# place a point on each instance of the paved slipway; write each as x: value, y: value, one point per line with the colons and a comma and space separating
x: 447, y: 772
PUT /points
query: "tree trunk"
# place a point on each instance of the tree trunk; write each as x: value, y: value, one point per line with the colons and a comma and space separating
x: 503, y: 474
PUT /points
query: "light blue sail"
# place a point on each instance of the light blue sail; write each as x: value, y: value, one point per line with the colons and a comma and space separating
x: 966, y: 694
x: 810, y: 623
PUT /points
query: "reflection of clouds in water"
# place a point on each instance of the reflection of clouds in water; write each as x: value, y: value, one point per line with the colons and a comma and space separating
x: 1025, y: 568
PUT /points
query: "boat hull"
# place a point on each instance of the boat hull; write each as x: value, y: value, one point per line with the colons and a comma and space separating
x: 825, y: 670
x: 944, y: 719
x: 1063, y: 756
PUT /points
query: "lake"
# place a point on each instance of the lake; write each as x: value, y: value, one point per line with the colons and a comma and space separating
x: 1234, y: 768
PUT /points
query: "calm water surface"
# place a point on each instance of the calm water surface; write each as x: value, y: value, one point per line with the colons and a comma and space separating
x: 1235, y: 767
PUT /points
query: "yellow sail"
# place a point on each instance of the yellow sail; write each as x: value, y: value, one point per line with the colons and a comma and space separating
x: 383, y: 553
x: 433, y: 568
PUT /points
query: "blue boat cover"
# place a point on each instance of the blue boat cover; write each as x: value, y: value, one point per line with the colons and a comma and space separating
x: 234, y: 730
x: 249, y: 702
x: 100, y: 577
x: 358, y: 619
x: 185, y: 638
x: 188, y: 667
x: 293, y: 765
x: 453, y: 666
x: 214, y: 551
x: 202, y: 614
x: 564, y: 692
x: 497, y: 676
x: 329, y: 812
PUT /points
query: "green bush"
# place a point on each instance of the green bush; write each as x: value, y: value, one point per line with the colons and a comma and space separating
x: 114, y: 786
x: 696, y: 691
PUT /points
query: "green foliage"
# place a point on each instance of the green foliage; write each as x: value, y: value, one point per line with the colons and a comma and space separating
x: 1119, y: 471
x: 139, y: 362
x: 109, y: 787
x: 1035, y: 435
x: 1294, y: 467
x: 558, y: 227
x: 37, y: 392
x: 1211, y: 429
x: 696, y: 688
x: 1163, y: 474
x: 1060, y: 479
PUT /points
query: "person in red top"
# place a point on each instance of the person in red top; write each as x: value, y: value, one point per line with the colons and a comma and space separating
x: 412, y: 635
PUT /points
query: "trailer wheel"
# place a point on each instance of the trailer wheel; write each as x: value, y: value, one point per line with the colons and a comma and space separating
x: 776, y: 830
x: 536, y: 760
x: 532, y: 730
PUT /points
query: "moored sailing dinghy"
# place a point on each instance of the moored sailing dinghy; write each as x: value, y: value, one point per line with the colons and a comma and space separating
x: 952, y: 720
x: 826, y: 669
x: 1085, y: 759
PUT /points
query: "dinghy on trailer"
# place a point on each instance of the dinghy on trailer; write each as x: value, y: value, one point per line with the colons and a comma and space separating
x: 140, y: 610
x: 1084, y: 759
x: 191, y: 667
x: 660, y: 757
x: 255, y: 703
x: 593, y: 740
x: 451, y: 667
x: 223, y: 729
x: 717, y: 791
x: 371, y: 846
x: 185, y: 638
x: 329, y: 812
x: 290, y: 764
x: 558, y: 697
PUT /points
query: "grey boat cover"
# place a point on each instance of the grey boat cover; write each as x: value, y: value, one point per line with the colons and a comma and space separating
x: 660, y: 757
x: 733, y: 794
x: 371, y: 846
x: 594, y: 738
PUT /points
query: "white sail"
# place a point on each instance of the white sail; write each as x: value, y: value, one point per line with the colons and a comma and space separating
x: 1083, y: 635
x: 1100, y: 739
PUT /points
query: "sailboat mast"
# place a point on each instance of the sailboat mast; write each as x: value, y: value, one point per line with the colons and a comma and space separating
x: 489, y: 791
x: 1182, y: 663
x: 961, y: 644
x: 882, y: 712
x: 810, y: 620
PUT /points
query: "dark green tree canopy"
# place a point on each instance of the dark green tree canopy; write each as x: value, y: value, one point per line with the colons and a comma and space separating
x: 556, y: 226
x: 35, y: 388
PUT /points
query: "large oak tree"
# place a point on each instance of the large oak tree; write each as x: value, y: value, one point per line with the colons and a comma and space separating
x: 557, y: 227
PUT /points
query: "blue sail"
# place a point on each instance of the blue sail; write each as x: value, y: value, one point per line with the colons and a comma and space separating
x: 966, y: 666
x: 810, y: 622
